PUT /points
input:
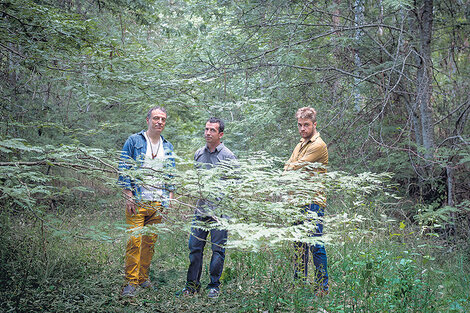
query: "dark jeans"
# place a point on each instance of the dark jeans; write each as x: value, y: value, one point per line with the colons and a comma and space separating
x: 197, y: 241
x: 318, y: 253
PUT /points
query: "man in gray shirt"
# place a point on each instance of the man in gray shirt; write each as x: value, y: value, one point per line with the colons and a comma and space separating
x: 207, y: 157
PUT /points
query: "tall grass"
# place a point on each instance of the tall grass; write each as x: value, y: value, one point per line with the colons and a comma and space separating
x: 81, y: 270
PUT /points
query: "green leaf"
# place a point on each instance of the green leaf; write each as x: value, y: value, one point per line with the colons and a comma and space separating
x: 402, y: 225
x: 19, y: 144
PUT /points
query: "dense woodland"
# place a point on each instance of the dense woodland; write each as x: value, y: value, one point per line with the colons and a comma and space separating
x: 390, y: 81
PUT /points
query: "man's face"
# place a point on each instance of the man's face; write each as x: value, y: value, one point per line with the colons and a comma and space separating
x: 306, y: 128
x: 212, y: 134
x: 157, y: 121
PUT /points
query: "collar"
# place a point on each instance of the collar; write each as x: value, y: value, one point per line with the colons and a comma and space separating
x: 218, y: 148
x: 143, y: 135
x: 314, y: 137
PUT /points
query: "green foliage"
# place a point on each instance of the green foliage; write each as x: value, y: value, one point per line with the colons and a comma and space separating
x: 76, y: 78
x: 53, y: 273
x: 263, y: 203
x: 39, y: 266
x: 19, y: 145
x: 398, y: 4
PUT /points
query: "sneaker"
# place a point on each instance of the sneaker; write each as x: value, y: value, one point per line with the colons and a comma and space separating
x: 129, y: 291
x: 146, y: 284
x: 185, y: 292
x: 213, y: 293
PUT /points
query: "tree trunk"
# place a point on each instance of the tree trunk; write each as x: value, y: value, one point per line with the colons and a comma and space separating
x: 358, y: 22
x: 415, y: 120
x: 424, y: 75
x: 337, y: 48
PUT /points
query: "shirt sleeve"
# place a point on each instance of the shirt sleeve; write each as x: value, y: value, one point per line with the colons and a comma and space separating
x: 227, y: 154
x: 124, y: 181
x: 231, y: 156
x: 316, y: 153
x: 198, y: 153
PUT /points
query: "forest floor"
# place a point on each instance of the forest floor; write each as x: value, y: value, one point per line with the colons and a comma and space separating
x: 47, y: 270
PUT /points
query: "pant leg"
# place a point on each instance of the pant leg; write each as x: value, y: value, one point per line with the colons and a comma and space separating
x: 148, y: 241
x: 218, y: 240
x: 320, y: 261
x: 139, y: 250
x: 133, y: 249
x: 197, y: 242
x: 318, y: 251
x: 301, y: 260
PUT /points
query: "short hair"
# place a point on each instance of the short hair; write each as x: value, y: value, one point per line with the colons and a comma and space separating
x: 149, y: 113
x: 307, y: 112
x: 218, y: 121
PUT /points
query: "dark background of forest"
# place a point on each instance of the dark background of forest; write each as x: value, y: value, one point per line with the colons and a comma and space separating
x: 388, y: 78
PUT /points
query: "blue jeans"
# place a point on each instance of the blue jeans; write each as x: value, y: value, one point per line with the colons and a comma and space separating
x: 318, y: 253
x: 197, y: 241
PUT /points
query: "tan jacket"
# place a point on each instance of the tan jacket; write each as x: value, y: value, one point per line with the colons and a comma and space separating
x: 312, y: 151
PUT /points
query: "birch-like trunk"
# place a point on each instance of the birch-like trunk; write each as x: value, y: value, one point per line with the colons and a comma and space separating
x: 358, y: 22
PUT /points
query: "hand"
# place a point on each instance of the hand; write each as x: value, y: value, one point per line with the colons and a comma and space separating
x: 130, y: 207
x: 130, y: 203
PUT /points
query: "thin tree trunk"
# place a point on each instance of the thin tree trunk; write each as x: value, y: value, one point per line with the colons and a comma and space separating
x: 450, y: 185
x: 337, y: 50
x: 358, y: 22
x: 424, y: 76
x: 415, y: 120
x: 450, y: 195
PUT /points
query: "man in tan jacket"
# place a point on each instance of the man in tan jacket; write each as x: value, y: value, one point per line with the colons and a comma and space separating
x: 310, y: 149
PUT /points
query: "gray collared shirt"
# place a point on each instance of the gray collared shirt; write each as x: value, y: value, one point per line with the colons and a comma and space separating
x: 210, y: 159
x: 207, y: 160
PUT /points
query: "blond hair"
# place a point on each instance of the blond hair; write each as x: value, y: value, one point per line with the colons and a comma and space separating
x: 307, y: 112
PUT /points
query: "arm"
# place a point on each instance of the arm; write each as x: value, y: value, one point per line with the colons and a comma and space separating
x: 125, y: 160
x: 315, y: 153
x: 125, y: 181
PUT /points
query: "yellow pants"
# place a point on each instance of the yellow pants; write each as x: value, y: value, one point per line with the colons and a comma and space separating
x: 140, y: 249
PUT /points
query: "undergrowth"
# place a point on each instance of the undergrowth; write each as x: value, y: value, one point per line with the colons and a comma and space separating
x: 43, y: 269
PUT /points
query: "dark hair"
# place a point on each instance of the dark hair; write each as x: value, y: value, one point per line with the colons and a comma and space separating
x: 149, y: 113
x: 218, y: 121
